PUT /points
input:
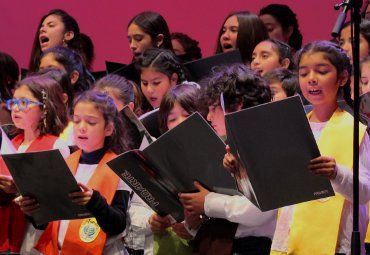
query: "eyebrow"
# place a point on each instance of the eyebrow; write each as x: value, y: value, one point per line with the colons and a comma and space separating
x: 318, y: 65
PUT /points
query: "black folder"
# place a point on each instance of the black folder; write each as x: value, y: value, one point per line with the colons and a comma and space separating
x: 170, y: 165
x: 135, y: 128
x: 46, y: 176
x: 128, y: 71
x: 275, y: 145
x: 199, y: 69
x: 150, y: 121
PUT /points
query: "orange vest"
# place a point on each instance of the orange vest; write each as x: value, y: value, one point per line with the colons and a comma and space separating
x: 13, y: 221
x: 103, y: 180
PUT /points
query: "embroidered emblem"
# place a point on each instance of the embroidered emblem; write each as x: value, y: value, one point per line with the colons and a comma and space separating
x: 89, y: 230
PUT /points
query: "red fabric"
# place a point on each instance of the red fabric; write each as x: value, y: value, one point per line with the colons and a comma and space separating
x: 13, y: 221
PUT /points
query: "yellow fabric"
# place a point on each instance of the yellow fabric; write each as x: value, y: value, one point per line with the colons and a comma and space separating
x: 367, y: 238
x: 315, y: 224
x: 67, y: 134
x: 277, y: 253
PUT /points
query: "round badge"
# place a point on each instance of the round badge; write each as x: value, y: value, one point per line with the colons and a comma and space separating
x: 89, y: 230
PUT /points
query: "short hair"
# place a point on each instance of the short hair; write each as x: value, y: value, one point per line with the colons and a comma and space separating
x: 239, y: 86
x: 185, y: 94
x: 287, y: 78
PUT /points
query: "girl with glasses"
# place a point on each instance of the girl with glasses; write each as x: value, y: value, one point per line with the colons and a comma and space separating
x: 38, y: 112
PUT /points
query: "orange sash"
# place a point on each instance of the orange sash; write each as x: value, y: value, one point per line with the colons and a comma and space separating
x: 103, y: 180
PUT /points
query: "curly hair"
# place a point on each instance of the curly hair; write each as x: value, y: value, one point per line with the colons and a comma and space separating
x: 239, y: 86
x: 190, y: 45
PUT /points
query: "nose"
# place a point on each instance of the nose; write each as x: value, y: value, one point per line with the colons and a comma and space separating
x: 42, y: 29
x: 209, y: 116
x: 312, y: 79
x: 225, y: 35
x: 255, y: 62
x: 133, y: 45
x: 82, y: 127
x: 347, y: 47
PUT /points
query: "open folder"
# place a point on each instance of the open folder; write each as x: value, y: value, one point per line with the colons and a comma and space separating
x: 275, y: 144
x: 46, y: 176
x: 170, y: 165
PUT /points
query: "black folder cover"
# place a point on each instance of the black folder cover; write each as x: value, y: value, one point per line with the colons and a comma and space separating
x: 198, y: 69
x: 275, y: 144
x: 128, y: 71
x: 191, y: 151
x: 46, y: 176
x: 150, y: 121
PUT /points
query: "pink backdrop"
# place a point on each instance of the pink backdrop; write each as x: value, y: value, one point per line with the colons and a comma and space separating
x: 105, y: 21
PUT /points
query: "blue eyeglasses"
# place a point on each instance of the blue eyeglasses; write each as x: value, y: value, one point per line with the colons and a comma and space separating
x: 22, y: 103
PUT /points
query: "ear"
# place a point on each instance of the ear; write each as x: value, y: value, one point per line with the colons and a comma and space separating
x: 285, y: 63
x: 108, y: 131
x: 159, y: 40
x: 288, y: 32
x: 174, y: 79
x: 131, y: 105
x: 74, y: 77
x: 65, y: 98
x: 343, y: 79
x: 69, y: 35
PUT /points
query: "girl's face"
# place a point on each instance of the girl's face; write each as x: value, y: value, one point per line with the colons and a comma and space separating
x: 265, y: 58
x: 155, y: 85
x: 89, y: 128
x: 217, y: 119
x: 229, y: 34
x: 277, y: 91
x: 26, y: 118
x: 176, y: 116
x: 365, y: 77
x: 319, y: 80
x: 48, y: 61
x: 345, y: 43
x: 52, y: 32
x: 139, y: 40
x: 274, y: 28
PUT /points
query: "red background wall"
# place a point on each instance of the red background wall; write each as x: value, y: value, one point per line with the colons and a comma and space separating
x: 105, y: 21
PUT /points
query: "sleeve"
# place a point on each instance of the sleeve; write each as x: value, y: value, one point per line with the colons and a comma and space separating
x: 236, y: 209
x: 343, y: 182
x: 62, y: 147
x: 111, y: 218
x: 140, y: 213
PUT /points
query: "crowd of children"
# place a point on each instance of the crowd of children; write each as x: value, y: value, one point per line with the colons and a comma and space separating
x: 59, y: 105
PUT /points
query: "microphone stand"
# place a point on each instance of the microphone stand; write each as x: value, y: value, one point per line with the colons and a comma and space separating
x: 356, y: 19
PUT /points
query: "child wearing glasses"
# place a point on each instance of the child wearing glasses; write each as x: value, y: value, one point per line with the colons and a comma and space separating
x: 38, y: 112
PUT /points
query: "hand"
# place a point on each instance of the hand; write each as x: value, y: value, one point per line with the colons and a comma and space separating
x: 194, y: 202
x: 81, y: 197
x: 229, y: 162
x: 28, y: 205
x: 193, y: 220
x: 159, y: 224
x: 180, y: 230
x: 7, y: 184
x: 324, y: 166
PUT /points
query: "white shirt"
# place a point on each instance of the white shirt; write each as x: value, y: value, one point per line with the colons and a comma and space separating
x: 342, y: 184
x: 252, y: 221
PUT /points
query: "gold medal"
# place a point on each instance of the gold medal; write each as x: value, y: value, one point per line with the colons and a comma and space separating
x: 89, y: 230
